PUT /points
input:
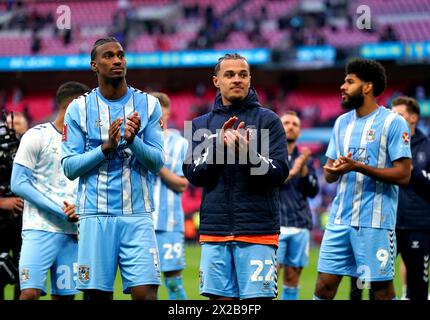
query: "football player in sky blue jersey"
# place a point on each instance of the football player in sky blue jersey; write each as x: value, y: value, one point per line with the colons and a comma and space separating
x: 169, y: 215
x: 49, y: 231
x: 112, y: 139
x: 369, y: 155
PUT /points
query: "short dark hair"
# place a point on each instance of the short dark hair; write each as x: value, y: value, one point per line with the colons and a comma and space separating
x: 100, y: 42
x: 369, y: 71
x: 70, y: 89
x: 411, y: 104
x: 229, y: 56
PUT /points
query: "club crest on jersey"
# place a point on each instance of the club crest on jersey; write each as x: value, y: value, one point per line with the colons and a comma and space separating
x: 64, y: 135
x: 25, y: 275
x: 84, y: 274
x: 98, y: 124
x: 371, y: 134
x: 405, y: 137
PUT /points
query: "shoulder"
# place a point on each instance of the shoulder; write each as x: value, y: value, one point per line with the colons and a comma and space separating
x: 200, y: 121
x: 38, y: 130
x: 267, y: 114
x: 78, y: 104
x: 139, y: 94
x: 35, y: 135
x: 345, y: 118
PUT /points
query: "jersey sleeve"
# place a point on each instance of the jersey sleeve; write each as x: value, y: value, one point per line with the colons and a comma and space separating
x: 29, y: 148
x: 399, y: 139
x: 332, y: 151
x: 181, y: 157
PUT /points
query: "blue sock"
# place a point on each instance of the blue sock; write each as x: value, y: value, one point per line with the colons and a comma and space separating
x: 290, y: 293
x: 175, y: 288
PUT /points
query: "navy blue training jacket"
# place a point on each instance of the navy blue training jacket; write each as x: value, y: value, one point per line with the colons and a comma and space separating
x: 234, y: 201
x: 294, y: 194
x: 413, y: 211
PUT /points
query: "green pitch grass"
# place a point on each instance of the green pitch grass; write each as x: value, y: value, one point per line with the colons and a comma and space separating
x: 191, y: 280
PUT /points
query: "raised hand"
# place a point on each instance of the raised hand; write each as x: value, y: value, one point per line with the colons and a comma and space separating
x: 132, y: 126
x: 114, y: 136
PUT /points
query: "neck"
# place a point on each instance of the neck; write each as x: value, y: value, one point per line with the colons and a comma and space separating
x: 413, y: 129
x: 366, y: 108
x: 59, y: 120
x: 112, y: 89
x: 291, y: 146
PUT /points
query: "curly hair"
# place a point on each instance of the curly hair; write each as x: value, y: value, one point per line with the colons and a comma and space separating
x: 369, y: 71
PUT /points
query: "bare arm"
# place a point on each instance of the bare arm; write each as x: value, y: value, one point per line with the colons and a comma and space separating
x: 399, y: 173
x: 175, y: 182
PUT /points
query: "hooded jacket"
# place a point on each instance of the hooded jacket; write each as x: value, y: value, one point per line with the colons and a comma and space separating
x: 413, y: 211
x: 238, y: 198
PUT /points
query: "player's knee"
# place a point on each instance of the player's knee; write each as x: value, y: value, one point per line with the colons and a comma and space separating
x: 30, y: 294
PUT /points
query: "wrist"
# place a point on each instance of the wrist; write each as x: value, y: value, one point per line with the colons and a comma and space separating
x: 106, y: 149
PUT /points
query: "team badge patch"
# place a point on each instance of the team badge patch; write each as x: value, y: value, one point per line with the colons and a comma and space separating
x: 371, y: 134
x: 405, y: 137
x: 98, y: 124
x: 84, y: 274
x: 64, y: 135
x: 25, y: 275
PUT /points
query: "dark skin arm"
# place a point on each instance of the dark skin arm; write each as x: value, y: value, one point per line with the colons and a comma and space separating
x: 399, y: 174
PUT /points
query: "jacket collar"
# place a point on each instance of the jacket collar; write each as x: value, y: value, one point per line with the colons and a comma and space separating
x: 251, y: 101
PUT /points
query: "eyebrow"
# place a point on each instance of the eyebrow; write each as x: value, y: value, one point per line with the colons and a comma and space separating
x: 112, y: 52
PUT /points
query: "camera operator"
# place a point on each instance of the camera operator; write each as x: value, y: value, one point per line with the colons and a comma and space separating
x: 10, y: 206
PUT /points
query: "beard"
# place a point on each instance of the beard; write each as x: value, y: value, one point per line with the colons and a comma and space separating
x: 354, y: 101
x: 291, y: 140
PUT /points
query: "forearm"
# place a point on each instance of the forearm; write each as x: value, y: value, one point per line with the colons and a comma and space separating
x: 22, y: 186
x: 78, y: 165
x: 393, y: 175
x: 330, y: 177
x: 173, y: 181
x: 148, y: 156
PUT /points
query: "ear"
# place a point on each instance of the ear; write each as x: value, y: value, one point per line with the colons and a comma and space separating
x: 215, y: 81
x: 368, y: 87
x: 414, y: 118
x: 94, y: 66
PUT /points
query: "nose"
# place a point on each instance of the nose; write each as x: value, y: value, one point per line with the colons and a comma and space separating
x: 117, y: 61
x: 343, y: 87
x: 237, y: 78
